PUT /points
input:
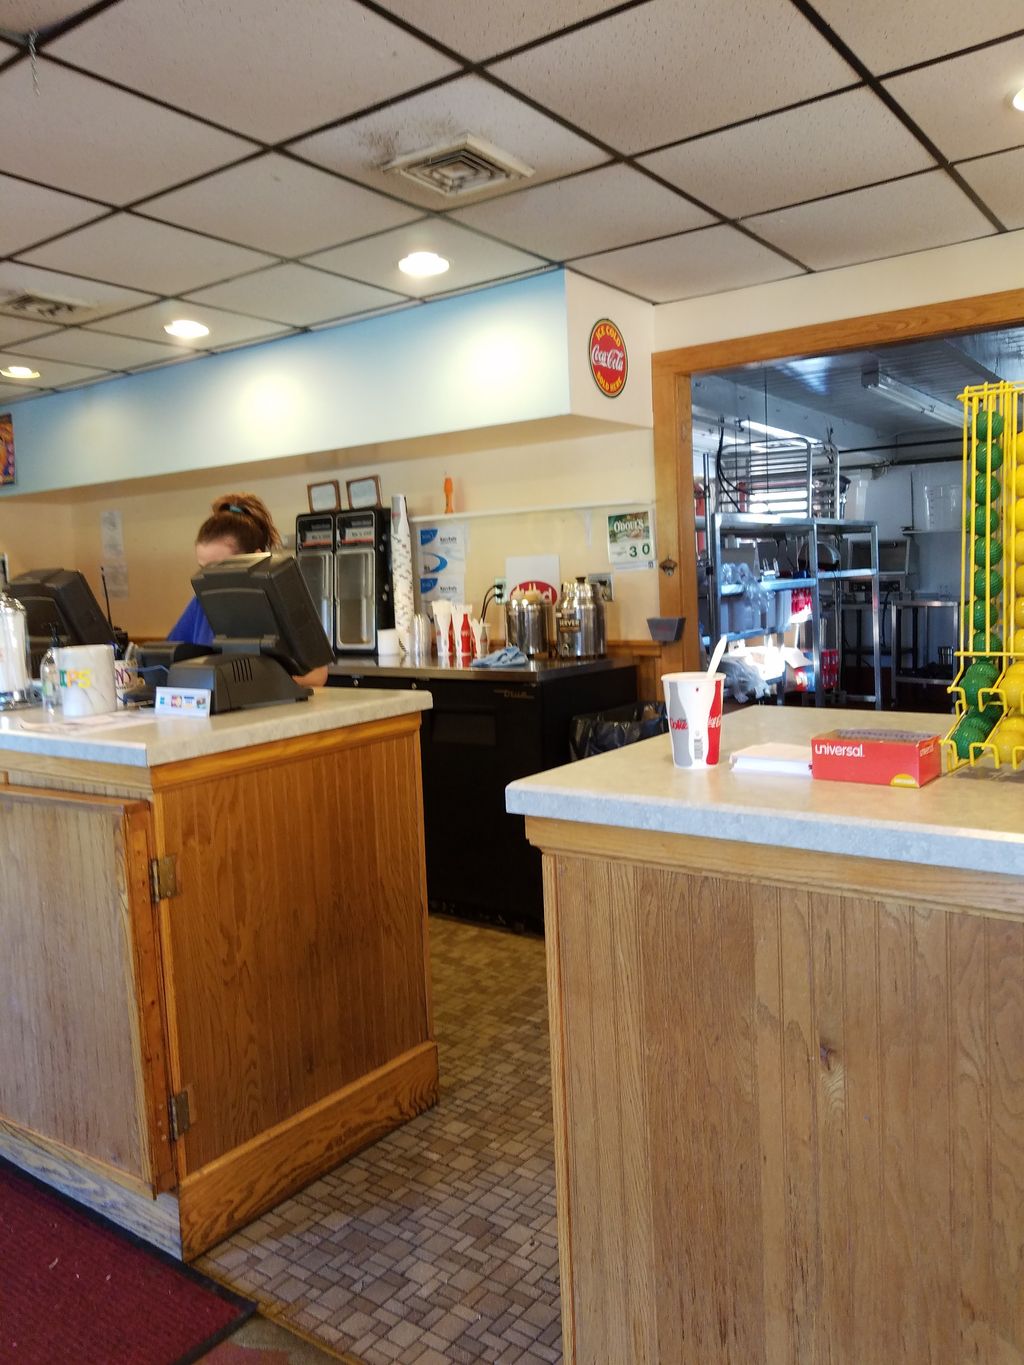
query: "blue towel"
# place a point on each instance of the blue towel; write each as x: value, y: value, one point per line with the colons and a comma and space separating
x: 509, y: 657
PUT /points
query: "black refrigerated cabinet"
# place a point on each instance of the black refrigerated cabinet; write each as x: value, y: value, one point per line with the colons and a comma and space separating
x: 485, y: 729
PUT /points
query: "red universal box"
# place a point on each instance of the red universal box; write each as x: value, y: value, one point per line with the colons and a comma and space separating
x: 885, y: 758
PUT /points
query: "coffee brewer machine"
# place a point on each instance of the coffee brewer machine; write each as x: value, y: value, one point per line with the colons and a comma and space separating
x: 345, y: 558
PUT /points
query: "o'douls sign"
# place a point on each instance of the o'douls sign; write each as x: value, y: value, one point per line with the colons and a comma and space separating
x: 608, y: 363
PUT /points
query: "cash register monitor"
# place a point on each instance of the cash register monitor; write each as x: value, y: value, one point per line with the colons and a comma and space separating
x: 61, y: 600
x: 265, y: 629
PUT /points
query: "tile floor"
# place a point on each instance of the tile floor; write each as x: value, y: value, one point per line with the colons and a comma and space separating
x: 437, y: 1245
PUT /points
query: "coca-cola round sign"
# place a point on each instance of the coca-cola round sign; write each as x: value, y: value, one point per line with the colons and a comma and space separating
x: 608, y: 363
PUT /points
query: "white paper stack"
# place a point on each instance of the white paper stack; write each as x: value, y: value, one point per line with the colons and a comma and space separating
x: 788, y: 759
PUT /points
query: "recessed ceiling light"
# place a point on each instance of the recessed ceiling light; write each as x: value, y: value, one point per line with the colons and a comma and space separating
x: 19, y: 372
x: 423, y: 263
x: 1018, y: 101
x: 186, y: 329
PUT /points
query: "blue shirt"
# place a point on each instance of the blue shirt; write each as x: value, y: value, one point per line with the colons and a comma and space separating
x: 192, y: 627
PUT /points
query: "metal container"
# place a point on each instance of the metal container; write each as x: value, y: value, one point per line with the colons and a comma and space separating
x: 580, y: 621
x: 528, y: 627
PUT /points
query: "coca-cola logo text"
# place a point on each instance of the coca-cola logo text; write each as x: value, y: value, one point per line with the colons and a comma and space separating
x: 608, y: 362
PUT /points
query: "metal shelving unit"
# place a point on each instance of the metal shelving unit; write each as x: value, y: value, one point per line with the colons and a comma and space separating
x: 814, y: 532
x: 920, y: 609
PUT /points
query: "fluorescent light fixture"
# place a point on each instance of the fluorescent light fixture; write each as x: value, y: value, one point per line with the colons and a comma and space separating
x: 186, y: 329
x: 421, y: 264
x: 914, y: 400
x: 1018, y: 101
x: 20, y: 372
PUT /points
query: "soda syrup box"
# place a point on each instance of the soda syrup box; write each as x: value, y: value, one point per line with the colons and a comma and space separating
x: 884, y: 758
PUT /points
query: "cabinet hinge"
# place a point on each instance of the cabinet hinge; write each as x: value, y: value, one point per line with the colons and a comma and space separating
x: 163, y: 877
x: 180, y: 1119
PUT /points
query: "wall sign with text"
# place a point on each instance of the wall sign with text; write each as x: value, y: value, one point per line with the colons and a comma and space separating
x: 608, y: 362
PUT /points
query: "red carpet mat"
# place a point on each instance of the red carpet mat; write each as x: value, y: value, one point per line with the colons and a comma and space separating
x: 74, y: 1290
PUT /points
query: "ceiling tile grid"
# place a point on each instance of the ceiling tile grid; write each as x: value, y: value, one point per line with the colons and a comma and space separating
x: 864, y: 225
x: 296, y: 294
x: 223, y: 159
x: 276, y: 204
x: 837, y: 143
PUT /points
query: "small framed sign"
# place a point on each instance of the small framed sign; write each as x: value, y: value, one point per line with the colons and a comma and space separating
x: 324, y: 497
x: 364, y: 492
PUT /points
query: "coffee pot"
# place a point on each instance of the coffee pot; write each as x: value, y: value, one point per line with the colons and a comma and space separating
x: 580, y: 621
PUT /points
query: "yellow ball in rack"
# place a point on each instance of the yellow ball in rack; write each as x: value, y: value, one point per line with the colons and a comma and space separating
x: 1012, y: 687
x: 1018, y: 642
x: 1018, y: 580
x: 1009, y: 736
x: 1018, y: 514
x: 1018, y: 612
x: 1018, y: 549
x: 1018, y: 448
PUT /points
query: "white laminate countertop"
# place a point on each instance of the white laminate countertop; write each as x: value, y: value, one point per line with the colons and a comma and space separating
x: 136, y: 739
x: 971, y: 819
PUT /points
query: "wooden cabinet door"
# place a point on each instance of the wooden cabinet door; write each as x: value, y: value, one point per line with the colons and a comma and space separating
x: 82, y: 1069
x: 294, y: 948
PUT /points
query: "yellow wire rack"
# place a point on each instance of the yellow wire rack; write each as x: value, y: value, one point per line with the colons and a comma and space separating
x: 989, y: 685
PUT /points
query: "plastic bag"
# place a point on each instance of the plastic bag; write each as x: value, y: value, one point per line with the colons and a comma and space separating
x: 603, y: 731
x: 743, y: 682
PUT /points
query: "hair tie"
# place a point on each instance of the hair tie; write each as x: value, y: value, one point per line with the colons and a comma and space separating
x: 234, y: 507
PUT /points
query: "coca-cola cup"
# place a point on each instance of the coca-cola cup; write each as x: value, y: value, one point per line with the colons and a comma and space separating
x: 694, y: 705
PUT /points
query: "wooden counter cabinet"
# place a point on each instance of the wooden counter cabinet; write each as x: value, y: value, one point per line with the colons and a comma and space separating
x: 215, y: 980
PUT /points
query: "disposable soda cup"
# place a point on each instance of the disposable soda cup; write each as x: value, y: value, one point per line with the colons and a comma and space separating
x: 694, y: 705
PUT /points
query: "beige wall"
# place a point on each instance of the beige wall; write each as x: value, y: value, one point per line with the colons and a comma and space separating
x: 986, y: 266
x: 160, y: 517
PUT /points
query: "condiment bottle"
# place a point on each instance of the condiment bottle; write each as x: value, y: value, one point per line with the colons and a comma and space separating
x: 49, y: 675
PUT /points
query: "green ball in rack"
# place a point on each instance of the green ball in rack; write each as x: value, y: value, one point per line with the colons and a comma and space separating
x: 983, y: 617
x: 973, y: 729
x: 982, y: 491
x: 992, y: 581
x: 981, y: 674
x: 992, y: 643
x: 988, y: 458
x: 988, y: 421
x: 983, y: 523
x: 995, y: 552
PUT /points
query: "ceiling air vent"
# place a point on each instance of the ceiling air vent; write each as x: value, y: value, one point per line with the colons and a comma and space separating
x: 40, y: 308
x: 460, y: 167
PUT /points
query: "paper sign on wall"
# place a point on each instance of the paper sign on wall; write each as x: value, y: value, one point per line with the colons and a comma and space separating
x: 631, y: 540
x: 441, y: 561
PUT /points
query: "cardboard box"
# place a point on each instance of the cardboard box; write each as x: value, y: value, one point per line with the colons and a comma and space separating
x: 893, y: 758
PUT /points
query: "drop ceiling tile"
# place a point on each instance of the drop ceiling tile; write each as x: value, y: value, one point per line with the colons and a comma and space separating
x: 487, y: 27
x: 836, y: 144
x: 709, y: 261
x: 297, y: 295
x: 31, y: 213
x: 592, y: 212
x: 136, y: 251
x: 82, y: 346
x: 99, y: 299
x: 279, y: 205
x: 52, y: 373
x: 964, y: 104
x: 14, y: 330
x: 865, y: 225
x: 1000, y: 182
x: 474, y: 259
x: 86, y: 137
x: 886, y: 36
x: 648, y: 75
x: 467, y: 105
x: 32, y: 16
x: 226, y: 329
x: 257, y: 66
x: 10, y: 393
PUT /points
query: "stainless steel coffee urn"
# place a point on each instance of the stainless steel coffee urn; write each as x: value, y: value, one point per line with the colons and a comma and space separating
x: 528, y: 625
x: 580, y: 621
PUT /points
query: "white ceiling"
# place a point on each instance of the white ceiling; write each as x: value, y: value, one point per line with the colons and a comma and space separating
x: 222, y: 158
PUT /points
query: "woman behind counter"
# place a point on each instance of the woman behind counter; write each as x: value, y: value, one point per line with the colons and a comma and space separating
x: 238, y: 524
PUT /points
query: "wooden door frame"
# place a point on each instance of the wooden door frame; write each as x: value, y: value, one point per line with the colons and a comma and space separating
x: 672, y: 371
